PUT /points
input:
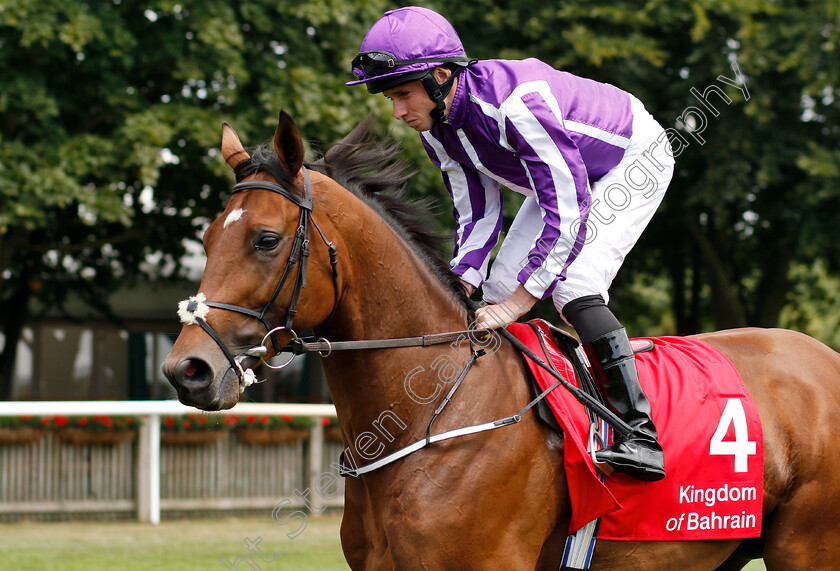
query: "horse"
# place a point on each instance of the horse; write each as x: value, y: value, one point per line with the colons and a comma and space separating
x: 490, y: 500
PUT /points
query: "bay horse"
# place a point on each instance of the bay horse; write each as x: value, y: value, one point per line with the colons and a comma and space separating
x: 493, y: 500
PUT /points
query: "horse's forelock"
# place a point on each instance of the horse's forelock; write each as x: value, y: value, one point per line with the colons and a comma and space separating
x: 264, y: 160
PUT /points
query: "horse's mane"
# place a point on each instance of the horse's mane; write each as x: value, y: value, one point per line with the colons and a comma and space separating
x: 368, y: 166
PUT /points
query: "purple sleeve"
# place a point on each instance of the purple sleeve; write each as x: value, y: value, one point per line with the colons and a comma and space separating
x: 558, y: 177
x: 477, y: 208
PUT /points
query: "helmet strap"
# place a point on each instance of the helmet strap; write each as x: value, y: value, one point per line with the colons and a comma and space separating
x: 437, y: 93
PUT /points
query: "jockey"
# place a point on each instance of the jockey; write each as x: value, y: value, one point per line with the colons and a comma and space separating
x: 592, y: 163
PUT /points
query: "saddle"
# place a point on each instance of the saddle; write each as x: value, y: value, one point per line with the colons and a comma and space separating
x: 569, y: 347
x: 708, y: 426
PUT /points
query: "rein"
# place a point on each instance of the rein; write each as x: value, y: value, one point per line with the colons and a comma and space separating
x: 584, y: 398
x: 302, y: 345
x: 194, y: 311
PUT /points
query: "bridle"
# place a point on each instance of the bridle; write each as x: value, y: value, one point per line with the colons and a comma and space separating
x: 194, y: 309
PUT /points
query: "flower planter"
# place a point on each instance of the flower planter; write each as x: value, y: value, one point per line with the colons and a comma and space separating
x: 82, y: 437
x: 201, y: 437
x: 21, y: 435
x: 263, y: 436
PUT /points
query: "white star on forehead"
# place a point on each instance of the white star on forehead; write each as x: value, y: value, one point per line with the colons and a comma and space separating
x: 234, y: 216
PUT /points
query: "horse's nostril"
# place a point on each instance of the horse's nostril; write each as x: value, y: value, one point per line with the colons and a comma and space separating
x: 191, y: 369
x: 193, y: 373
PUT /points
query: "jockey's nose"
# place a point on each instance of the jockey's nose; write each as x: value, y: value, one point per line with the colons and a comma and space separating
x: 400, y: 110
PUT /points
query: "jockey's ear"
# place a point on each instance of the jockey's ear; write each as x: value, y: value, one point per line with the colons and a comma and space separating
x: 288, y: 145
x: 232, y: 149
x: 441, y: 73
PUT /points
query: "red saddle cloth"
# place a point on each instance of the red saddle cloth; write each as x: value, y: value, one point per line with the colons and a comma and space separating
x: 710, y: 431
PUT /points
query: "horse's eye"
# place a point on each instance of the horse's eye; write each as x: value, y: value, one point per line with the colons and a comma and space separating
x: 267, y: 242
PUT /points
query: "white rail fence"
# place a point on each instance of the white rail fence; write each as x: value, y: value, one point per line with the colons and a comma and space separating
x: 146, y: 477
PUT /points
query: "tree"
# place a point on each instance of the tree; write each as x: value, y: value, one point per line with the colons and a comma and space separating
x: 110, y: 116
x: 754, y: 183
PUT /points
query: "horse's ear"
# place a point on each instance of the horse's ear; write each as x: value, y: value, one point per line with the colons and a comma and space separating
x: 232, y: 149
x: 288, y: 145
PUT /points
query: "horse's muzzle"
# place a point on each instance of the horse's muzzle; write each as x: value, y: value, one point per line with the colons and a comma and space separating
x: 198, y: 385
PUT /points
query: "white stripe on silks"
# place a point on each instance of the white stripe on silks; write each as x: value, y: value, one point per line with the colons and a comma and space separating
x: 483, y: 230
x: 484, y: 171
x: 545, y: 274
x: 496, y: 114
x: 540, y: 87
x: 492, y: 213
x: 471, y: 153
x: 600, y: 134
x: 538, y: 138
x: 457, y: 181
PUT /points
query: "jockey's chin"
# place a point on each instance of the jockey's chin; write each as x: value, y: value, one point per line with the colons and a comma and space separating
x: 419, y: 124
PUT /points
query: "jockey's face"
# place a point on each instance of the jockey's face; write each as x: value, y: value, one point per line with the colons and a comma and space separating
x: 414, y: 106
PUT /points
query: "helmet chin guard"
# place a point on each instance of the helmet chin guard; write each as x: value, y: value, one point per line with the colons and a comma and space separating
x: 438, y: 92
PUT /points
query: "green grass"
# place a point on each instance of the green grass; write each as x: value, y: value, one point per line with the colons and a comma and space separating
x: 177, y: 545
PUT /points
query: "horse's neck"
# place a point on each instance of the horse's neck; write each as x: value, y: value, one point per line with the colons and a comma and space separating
x: 387, y: 291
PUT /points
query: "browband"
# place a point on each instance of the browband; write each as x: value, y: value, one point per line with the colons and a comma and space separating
x: 304, y: 202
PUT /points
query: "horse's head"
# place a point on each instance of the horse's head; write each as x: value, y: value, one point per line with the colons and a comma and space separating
x: 263, y: 274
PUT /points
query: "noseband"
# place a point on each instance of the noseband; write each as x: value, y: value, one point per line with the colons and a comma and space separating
x: 195, y: 309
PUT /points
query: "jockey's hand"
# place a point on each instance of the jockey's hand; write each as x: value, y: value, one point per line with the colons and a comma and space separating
x: 505, y: 313
x: 468, y: 286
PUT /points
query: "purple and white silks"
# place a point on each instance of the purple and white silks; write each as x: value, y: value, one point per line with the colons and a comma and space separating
x: 540, y: 132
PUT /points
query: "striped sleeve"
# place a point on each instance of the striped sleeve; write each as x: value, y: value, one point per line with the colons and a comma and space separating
x: 534, y: 130
x: 477, y: 201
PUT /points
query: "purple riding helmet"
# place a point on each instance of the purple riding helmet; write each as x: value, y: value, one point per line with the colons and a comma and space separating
x: 406, y: 45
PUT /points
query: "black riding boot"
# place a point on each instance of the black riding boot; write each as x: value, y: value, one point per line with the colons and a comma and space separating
x: 614, y: 366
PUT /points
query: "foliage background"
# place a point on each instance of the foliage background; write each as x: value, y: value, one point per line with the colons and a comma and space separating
x: 110, y: 117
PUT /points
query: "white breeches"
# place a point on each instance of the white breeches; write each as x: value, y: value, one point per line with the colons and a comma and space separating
x: 623, y: 202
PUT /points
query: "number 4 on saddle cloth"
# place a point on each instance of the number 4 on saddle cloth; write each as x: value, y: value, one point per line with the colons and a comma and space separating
x: 708, y: 426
